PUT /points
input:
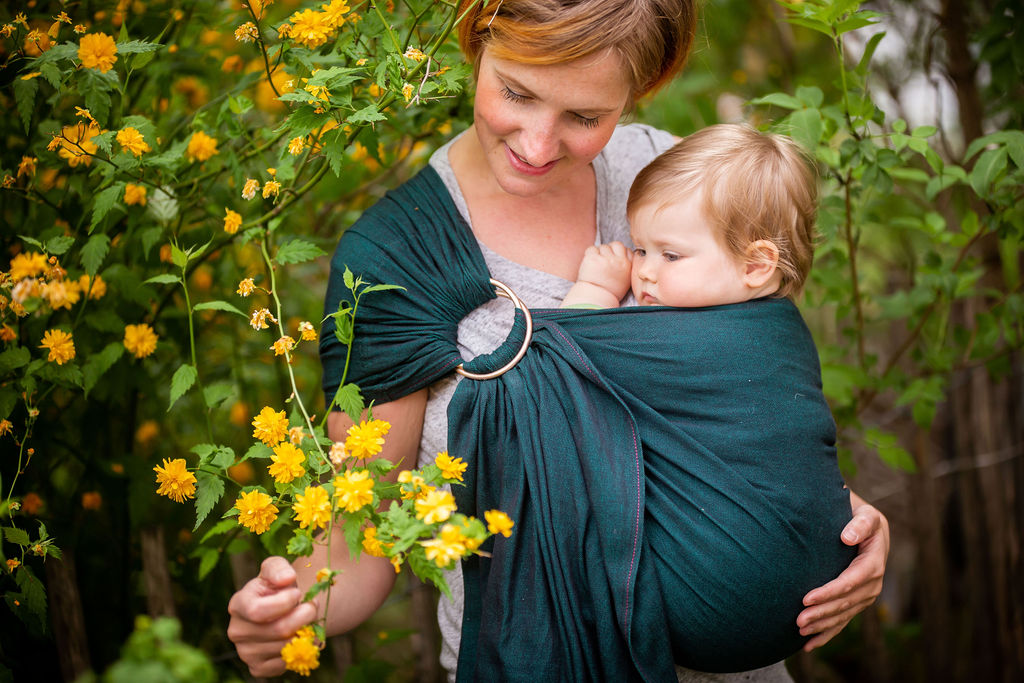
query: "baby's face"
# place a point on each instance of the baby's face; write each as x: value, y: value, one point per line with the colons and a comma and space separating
x: 678, y: 261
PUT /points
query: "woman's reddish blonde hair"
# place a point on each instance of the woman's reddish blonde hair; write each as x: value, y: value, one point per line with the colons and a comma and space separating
x: 651, y: 37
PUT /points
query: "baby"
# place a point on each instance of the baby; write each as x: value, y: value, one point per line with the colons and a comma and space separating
x: 724, y: 216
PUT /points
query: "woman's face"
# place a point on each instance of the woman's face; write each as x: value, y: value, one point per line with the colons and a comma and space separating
x: 539, y: 126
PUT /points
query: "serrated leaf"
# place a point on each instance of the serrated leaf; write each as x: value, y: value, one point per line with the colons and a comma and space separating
x: 97, y: 364
x: 217, y: 393
x: 52, y: 74
x: 300, y: 544
x: 12, y: 359
x: 218, y: 306
x: 349, y: 400
x: 103, y: 202
x: 136, y: 46
x: 183, y: 379
x: 93, y: 253
x: 33, y: 592
x: 334, y: 149
x: 163, y: 279
x: 203, y: 450
x: 223, y: 457
x: 209, y: 490
x: 97, y: 101
x: 59, y: 244
x: 367, y: 114
x: 16, y: 536
x: 258, y: 451
x: 221, y: 527
x: 25, y: 97
x: 298, y: 251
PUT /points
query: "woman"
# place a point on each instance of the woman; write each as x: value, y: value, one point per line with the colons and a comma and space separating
x: 541, y: 175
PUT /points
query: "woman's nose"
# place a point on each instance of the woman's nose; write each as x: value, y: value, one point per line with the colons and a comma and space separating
x: 540, y: 141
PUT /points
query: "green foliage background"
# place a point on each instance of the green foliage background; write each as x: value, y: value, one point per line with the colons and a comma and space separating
x: 916, y: 280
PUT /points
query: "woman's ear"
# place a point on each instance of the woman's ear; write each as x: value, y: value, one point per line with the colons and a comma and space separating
x: 762, y: 260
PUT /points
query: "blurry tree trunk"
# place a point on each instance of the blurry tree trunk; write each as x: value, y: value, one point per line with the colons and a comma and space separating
x: 157, y: 579
x: 66, y: 616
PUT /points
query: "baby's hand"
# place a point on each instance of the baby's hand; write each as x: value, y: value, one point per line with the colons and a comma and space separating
x: 607, y: 266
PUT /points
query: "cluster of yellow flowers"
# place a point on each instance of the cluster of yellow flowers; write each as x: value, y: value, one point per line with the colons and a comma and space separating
x: 301, y: 654
x: 311, y: 28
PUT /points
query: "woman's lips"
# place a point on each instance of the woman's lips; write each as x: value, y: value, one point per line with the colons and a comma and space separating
x: 521, y: 166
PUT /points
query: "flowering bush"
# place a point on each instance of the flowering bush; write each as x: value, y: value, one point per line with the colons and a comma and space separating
x: 160, y: 174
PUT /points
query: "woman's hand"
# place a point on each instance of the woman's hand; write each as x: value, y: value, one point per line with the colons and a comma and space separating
x: 831, y: 607
x: 265, y: 614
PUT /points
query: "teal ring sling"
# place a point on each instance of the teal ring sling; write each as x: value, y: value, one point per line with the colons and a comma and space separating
x: 671, y: 472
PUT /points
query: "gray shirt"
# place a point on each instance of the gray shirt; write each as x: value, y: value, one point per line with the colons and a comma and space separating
x: 631, y: 148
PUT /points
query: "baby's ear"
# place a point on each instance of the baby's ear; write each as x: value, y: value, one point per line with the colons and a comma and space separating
x: 762, y: 259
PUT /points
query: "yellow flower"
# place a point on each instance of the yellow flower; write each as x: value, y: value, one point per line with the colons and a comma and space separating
x: 371, y: 544
x: 296, y: 435
x: 300, y: 654
x: 448, y: 546
x: 7, y: 334
x: 270, y: 426
x: 407, y: 91
x: 6, y: 426
x: 246, y: 287
x: 94, y: 287
x: 283, y: 345
x: 309, y: 28
x: 13, y: 564
x: 256, y: 511
x: 27, y: 265
x: 451, y: 468
x: 27, y: 166
x: 287, y: 463
x: 80, y: 29
x: 76, y: 143
x: 85, y: 114
x: 60, y: 344
x: 306, y: 331
x: 92, y: 500
x: 232, y: 64
x: 140, y: 340
x: 415, y: 54
x: 312, y: 508
x: 499, y: 523
x: 353, y: 490
x: 20, y: 18
x: 436, y: 506
x: 415, y: 485
x: 259, y: 319
x: 337, y: 453
x: 365, y: 439
x: 200, y: 146
x: 361, y: 61
x: 134, y: 194
x: 333, y: 12
x: 232, y: 221
x: 176, y: 482
x: 62, y: 18
x: 250, y: 187
x: 61, y: 294
x: 323, y: 575
x: 374, y: 90
x: 271, y: 187
x: 284, y: 31
x: 97, y: 51
x: 296, y: 145
x: 6, y: 30
x: 131, y: 140
x: 246, y: 33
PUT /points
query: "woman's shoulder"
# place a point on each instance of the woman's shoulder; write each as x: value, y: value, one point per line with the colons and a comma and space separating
x: 639, y: 140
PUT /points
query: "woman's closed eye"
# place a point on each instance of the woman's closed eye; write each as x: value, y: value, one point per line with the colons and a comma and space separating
x: 512, y: 95
x: 585, y: 121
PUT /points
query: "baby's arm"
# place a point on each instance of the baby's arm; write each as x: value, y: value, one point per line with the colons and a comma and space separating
x: 603, y: 277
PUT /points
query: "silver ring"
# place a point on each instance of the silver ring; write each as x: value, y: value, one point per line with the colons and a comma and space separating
x: 503, y: 290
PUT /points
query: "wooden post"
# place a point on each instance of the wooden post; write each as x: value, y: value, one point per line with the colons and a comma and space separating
x: 159, y: 596
x: 67, y: 618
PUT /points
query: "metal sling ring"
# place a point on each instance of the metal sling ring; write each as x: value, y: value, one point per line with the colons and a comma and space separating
x: 503, y: 290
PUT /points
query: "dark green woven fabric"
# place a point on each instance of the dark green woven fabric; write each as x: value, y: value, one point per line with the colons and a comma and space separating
x: 671, y: 472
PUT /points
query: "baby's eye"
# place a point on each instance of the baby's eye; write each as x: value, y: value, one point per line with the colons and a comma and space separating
x: 639, y: 252
x: 670, y: 257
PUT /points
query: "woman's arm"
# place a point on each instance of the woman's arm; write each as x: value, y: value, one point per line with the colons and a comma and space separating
x: 267, y: 612
x: 831, y: 607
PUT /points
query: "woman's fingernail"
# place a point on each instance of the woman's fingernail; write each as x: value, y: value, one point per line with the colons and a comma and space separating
x: 850, y: 536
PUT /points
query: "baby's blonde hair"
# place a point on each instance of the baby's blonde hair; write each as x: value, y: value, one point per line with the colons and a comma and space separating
x: 755, y: 186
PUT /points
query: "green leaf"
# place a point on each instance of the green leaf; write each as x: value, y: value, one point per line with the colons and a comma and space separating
x: 779, y: 99
x: 8, y: 399
x: 93, y: 253
x: 349, y: 279
x: 300, y: 544
x: 98, y: 363
x: 990, y: 164
x: 258, y: 451
x: 207, y: 561
x: 25, y: 96
x: 806, y: 127
x: 869, y: 52
x: 889, y: 450
x: 52, y: 74
x: 924, y: 131
x: 33, y: 592
x: 12, y: 359
x: 343, y: 325
x: 367, y: 114
x: 164, y: 279
x: 223, y: 457
x: 137, y: 46
x: 334, y: 149
x: 16, y: 536
x: 380, y: 288
x: 217, y: 393
x: 209, y: 490
x: 304, y: 120
x: 221, y: 527
x: 103, y: 202
x: 183, y: 379
x: 350, y: 400
x: 298, y: 251
x: 218, y: 306
x: 59, y: 244
x: 97, y: 101
x: 810, y: 95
